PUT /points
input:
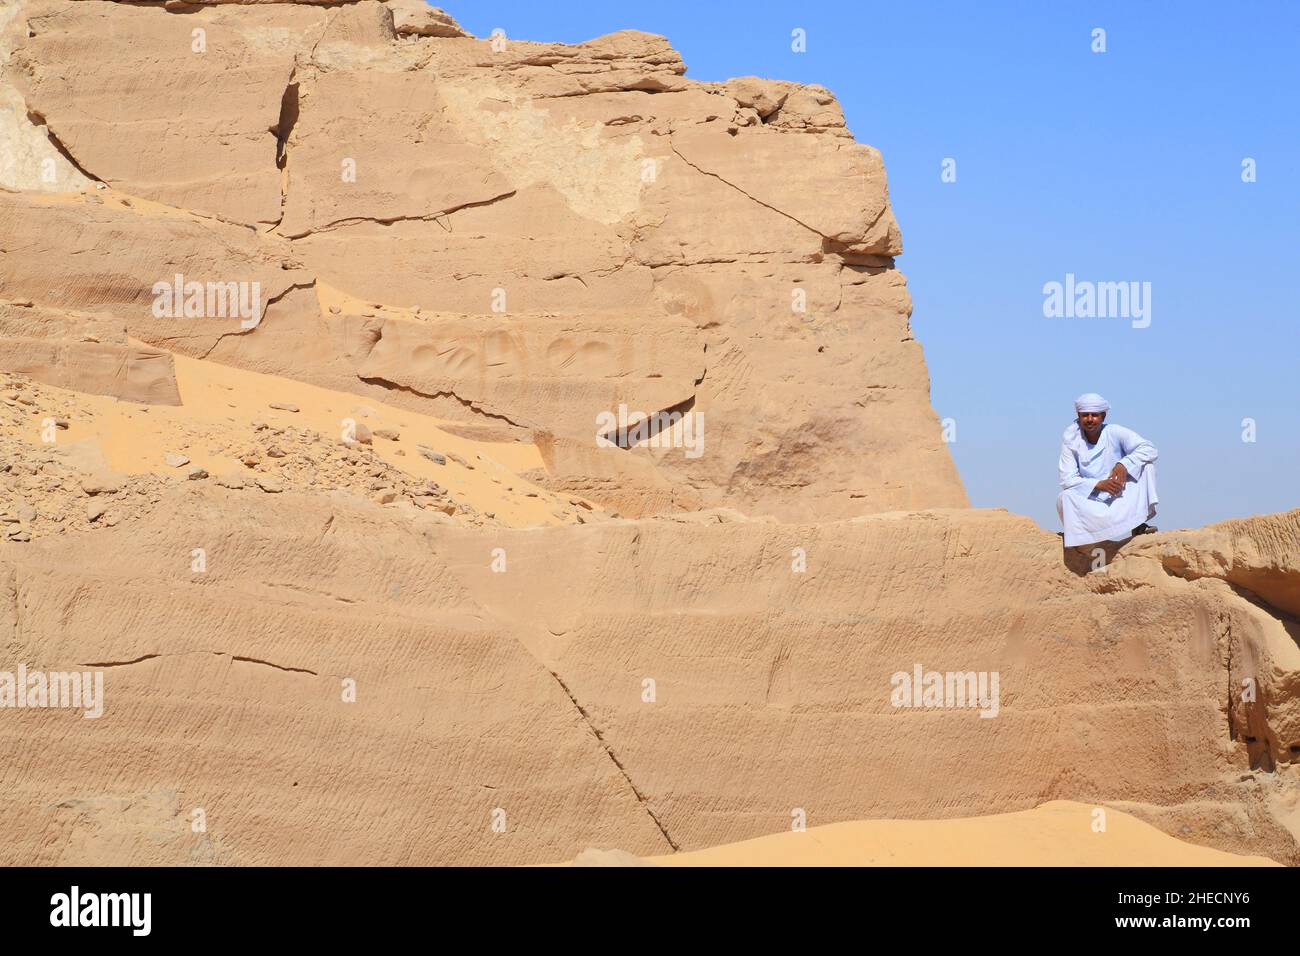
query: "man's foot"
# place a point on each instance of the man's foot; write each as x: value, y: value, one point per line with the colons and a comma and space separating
x: 1145, y: 528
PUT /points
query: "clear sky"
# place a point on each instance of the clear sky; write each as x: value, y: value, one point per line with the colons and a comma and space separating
x: 1115, y: 166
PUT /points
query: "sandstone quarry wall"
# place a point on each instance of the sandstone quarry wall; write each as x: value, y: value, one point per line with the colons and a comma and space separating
x: 563, y: 230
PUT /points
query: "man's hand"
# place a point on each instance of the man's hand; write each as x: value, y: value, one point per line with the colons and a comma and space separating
x: 1114, y: 484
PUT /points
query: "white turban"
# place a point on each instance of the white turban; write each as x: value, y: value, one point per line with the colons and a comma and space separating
x: 1091, y: 402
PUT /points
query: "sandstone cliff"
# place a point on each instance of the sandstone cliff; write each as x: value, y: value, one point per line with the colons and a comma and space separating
x: 555, y: 232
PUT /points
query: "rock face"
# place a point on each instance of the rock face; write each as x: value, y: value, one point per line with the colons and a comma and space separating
x: 558, y: 464
x: 525, y: 691
x: 88, y: 352
x: 559, y: 232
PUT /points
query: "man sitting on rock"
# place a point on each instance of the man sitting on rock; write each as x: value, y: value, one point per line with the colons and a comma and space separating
x: 1108, y: 478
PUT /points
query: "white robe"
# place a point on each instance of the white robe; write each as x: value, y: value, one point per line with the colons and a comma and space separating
x: 1089, y: 516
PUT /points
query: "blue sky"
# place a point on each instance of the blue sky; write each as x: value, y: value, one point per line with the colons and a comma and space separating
x: 1117, y: 166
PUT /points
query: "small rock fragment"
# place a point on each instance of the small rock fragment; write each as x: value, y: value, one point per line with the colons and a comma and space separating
x: 174, y: 460
x: 100, y: 484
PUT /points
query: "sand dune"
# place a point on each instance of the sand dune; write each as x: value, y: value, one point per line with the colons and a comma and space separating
x: 1058, y: 833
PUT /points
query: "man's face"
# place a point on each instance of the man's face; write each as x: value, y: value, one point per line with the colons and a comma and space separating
x: 1090, y: 424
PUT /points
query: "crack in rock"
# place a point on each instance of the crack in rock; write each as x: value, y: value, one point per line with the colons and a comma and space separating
x: 279, y: 667
x: 36, y: 119
x: 472, y: 406
x: 265, y: 309
x: 831, y: 244
x: 233, y: 657
x: 617, y: 763
x: 137, y: 660
x: 720, y: 179
x: 389, y: 220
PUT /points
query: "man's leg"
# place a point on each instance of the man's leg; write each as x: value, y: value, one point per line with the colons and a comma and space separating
x: 1146, y: 488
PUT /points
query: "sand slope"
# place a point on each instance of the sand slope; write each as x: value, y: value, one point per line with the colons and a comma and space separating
x: 1058, y: 833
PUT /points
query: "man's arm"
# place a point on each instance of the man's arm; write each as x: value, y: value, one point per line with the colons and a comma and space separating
x: 1068, y: 468
x: 1137, y: 452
